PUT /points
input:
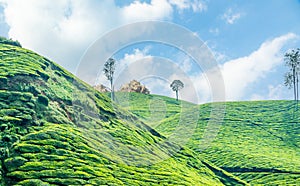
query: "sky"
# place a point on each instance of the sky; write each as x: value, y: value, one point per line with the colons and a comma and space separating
x: 247, y: 40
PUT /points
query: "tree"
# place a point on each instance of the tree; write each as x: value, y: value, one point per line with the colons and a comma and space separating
x: 176, y: 85
x: 291, y: 79
x: 109, y: 69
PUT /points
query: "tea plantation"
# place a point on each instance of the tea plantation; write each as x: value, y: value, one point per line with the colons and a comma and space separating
x: 57, y: 130
x: 257, y: 141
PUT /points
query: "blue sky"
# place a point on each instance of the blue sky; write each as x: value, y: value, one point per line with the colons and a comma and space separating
x: 247, y: 38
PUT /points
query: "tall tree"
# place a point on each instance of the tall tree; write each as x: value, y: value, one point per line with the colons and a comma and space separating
x: 291, y: 79
x: 109, y: 70
x: 176, y: 85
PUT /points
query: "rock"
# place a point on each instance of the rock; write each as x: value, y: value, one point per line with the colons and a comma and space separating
x: 134, y: 86
x: 101, y: 88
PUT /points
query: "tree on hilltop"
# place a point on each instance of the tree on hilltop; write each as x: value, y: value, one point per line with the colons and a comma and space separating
x: 291, y: 78
x: 176, y: 85
x: 109, y: 70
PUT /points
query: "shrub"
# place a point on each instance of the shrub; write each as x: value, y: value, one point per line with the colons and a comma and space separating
x: 33, y: 182
x: 4, y: 40
x: 6, y: 138
x: 3, y: 127
x: 3, y: 82
x: 13, y: 163
x: 43, y: 100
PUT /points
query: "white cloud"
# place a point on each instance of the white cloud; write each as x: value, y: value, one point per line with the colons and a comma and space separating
x: 239, y: 73
x: 186, y: 65
x: 214, y: 31
x: 63, y: 30
x: 231, y: 17
x: 158, y: 86
x: 124, y: 64
x: 135, y: 56
x: 157, y: 9
x: 220, y: 57
x: 256, y: 97
x: 203, y: 88
x: 129, y: 60
x: 195, y: 5
x: 198, y: 6
x: 275, y: 92
x: 181, y: 4
x: 2, y: 18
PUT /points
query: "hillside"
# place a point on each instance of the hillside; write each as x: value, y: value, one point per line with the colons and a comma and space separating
x: 258, y: 141
x: 57, y: 130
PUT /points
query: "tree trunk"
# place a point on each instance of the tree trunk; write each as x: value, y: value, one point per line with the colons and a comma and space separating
x: 177, y: 95
x: 111, y: 90
x: 294, y: 83
x: 297, y: 90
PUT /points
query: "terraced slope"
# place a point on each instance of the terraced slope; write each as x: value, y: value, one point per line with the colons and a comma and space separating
x: 149, y: 108
x: 56, y: 130
x: 258, y: 141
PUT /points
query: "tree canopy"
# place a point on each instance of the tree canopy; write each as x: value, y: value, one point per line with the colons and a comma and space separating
x: 109, y: 70
x: 291, y: 79
x: 176, y: 85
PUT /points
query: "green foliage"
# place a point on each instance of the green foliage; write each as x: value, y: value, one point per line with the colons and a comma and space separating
x: 176, y: 85
x: 109, y: 70
x: 4, y: 40
x: 13, y: 163
x: 43, y: 100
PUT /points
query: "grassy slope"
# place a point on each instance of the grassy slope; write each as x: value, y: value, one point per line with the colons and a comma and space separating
x: 151, y: 109
x: 258, y: 141
x: 56, y: 130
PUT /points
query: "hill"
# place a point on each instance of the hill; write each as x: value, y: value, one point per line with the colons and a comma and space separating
x: 257, y: 141
x: 57, y: 130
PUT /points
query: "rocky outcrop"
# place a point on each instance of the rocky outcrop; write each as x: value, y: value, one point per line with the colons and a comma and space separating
x: 135, y: 86
x: 101, y: 88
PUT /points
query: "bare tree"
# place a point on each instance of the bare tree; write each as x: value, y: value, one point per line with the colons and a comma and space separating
x: 291, y: 79
x: 109, y: 70
x: 176, y: 85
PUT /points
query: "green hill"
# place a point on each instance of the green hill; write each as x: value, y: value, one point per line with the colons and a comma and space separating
x: 57, y: 130
x: 257, y: 141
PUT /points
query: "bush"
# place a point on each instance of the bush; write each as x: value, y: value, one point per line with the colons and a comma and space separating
x: 13, y: 163
x: 43, y: 100
x: 3, y: 127
x: 3, y: 82
x: 33, y: 182
x: 6, y: 139
x: 6, y: 41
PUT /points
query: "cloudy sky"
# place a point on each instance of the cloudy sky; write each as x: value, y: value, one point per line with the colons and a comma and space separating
x: 246, y: 38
